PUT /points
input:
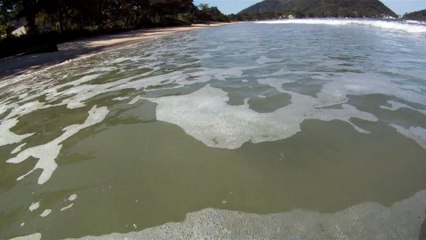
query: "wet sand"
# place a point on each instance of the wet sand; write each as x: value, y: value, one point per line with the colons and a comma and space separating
x: 22, y: 64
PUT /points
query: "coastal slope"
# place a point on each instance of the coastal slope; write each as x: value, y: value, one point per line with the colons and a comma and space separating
x: 418, y: 15
x: 322, y: 8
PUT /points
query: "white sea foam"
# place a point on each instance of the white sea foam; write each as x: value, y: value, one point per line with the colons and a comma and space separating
x: 120, y: 98
x: 410, y: 27
x: 397, y: 105
x: 361, y: 84
x: 80, y: 93
x: 34, y: 206
x: 34, y: 236
x: 7, y: 136
x: 10, y: 121
x: 67, y: 207
x: 206, y: 116
x: 414, y: 21
x: 418, y: 134
x: 266, y: 60
x: 46, y: 213
x: 47, y: 153
x: 135, y: 100
x: 72, y: 197
x: 402, y: 220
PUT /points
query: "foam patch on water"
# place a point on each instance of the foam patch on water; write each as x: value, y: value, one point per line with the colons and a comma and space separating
x: 34, y: 236
x: 26, y: 108
x: 34, y: 206
x: 411, y: 27
x: 10, y: 121
x: 47, y: 153
x: 206, y: 116
x: 18, y: 148
x: 72, y: 197
x: 67, y: 207
x: 418, y: 134
x: 402, y: 220
x: 120, y: 98
x: 340, y: 86
x: 47, y: 87
x: 80, y: 93
x: 397, y: 105
x: 9, y: 137
x: 46, y: 213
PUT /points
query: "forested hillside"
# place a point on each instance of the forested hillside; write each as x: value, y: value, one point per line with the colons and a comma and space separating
x: 418, y: 15
x: 318, y: 8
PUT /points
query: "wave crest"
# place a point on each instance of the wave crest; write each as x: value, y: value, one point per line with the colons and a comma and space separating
x: 406, y: 26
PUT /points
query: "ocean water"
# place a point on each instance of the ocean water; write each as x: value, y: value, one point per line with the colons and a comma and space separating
x: 314, y: 126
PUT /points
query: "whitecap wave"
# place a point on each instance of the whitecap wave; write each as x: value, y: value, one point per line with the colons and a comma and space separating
x: 411, y: 27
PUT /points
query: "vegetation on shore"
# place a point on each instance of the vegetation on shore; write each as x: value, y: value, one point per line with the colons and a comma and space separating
x: 418, y: 15
x: 317, y: 8
x: 52, y: 21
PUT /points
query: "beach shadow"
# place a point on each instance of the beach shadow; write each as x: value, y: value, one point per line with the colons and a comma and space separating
x: 17, y: 65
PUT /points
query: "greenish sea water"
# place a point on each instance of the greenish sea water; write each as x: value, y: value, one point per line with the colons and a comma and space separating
x: 257, y: 118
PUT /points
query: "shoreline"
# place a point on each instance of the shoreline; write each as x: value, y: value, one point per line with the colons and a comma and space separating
x: 17, y: 65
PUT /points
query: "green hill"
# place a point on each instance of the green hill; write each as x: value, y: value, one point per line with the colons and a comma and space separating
x: 418, y: 15
x: 319, y: 8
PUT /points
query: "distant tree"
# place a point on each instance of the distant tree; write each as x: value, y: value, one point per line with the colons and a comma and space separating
x: 203, y: 7
x: 299, y: 14
x: 103, y: 15
x: 206, y: 13
x: 160, y: 10
x: 4, y: 18
x: 234, y: 17
x: 29, y: 10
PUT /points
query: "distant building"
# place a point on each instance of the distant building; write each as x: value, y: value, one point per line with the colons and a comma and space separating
x: 388, y: 17
x: 19, y: 31
x: 19, y: 27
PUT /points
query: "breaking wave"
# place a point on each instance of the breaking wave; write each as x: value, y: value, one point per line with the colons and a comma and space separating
x: 406, y: 26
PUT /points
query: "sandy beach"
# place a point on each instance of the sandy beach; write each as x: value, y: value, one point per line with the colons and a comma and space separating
x: 17, y: 65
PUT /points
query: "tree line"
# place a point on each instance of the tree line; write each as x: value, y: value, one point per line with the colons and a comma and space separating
x: 101, y: 15
x: 417, y: 15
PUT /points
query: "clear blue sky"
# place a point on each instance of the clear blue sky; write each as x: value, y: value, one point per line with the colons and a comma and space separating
x: 234, y: 6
